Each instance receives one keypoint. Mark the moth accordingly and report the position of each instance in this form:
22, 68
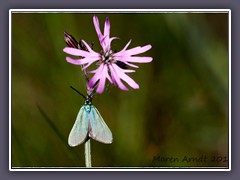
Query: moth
89, 124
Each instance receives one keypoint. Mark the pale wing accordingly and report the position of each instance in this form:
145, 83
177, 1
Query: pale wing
79, 130
98, 128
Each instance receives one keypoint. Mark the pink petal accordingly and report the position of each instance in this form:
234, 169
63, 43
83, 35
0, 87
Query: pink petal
87, 65
101, 74
97, 27
92, 71
107, 27
126, 46
127, 63
74, 61
102, 80
75, 52
96, 77
103, 38
112, 38
105, 43
88, 60
107, 76
92, 53
138, 50
128, 70
101, 85
116, 78
124, 49
137, 59
124, 77
133, 51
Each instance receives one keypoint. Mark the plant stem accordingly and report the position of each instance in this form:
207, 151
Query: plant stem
88, 153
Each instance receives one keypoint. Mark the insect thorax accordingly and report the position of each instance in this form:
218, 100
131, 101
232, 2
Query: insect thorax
87, 105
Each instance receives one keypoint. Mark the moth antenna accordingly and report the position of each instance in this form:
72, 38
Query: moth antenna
78, 92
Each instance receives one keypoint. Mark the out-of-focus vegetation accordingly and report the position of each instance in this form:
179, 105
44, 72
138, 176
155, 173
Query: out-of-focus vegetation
181, 108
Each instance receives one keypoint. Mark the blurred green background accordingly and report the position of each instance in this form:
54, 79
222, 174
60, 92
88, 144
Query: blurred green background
181, 108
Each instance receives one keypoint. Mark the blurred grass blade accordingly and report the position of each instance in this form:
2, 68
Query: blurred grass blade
52, 125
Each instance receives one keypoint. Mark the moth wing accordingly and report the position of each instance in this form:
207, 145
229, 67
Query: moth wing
79, 130
98, 128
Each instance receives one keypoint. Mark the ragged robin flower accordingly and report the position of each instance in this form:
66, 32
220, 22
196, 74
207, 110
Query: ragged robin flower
111, 64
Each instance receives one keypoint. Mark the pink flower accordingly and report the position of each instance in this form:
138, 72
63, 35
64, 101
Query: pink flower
108, 60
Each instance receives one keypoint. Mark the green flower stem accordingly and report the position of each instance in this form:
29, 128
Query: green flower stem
88, 153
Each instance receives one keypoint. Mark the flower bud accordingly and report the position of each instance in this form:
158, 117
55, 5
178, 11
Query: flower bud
70, 40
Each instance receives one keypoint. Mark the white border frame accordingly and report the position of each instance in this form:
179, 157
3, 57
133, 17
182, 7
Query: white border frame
121, 11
